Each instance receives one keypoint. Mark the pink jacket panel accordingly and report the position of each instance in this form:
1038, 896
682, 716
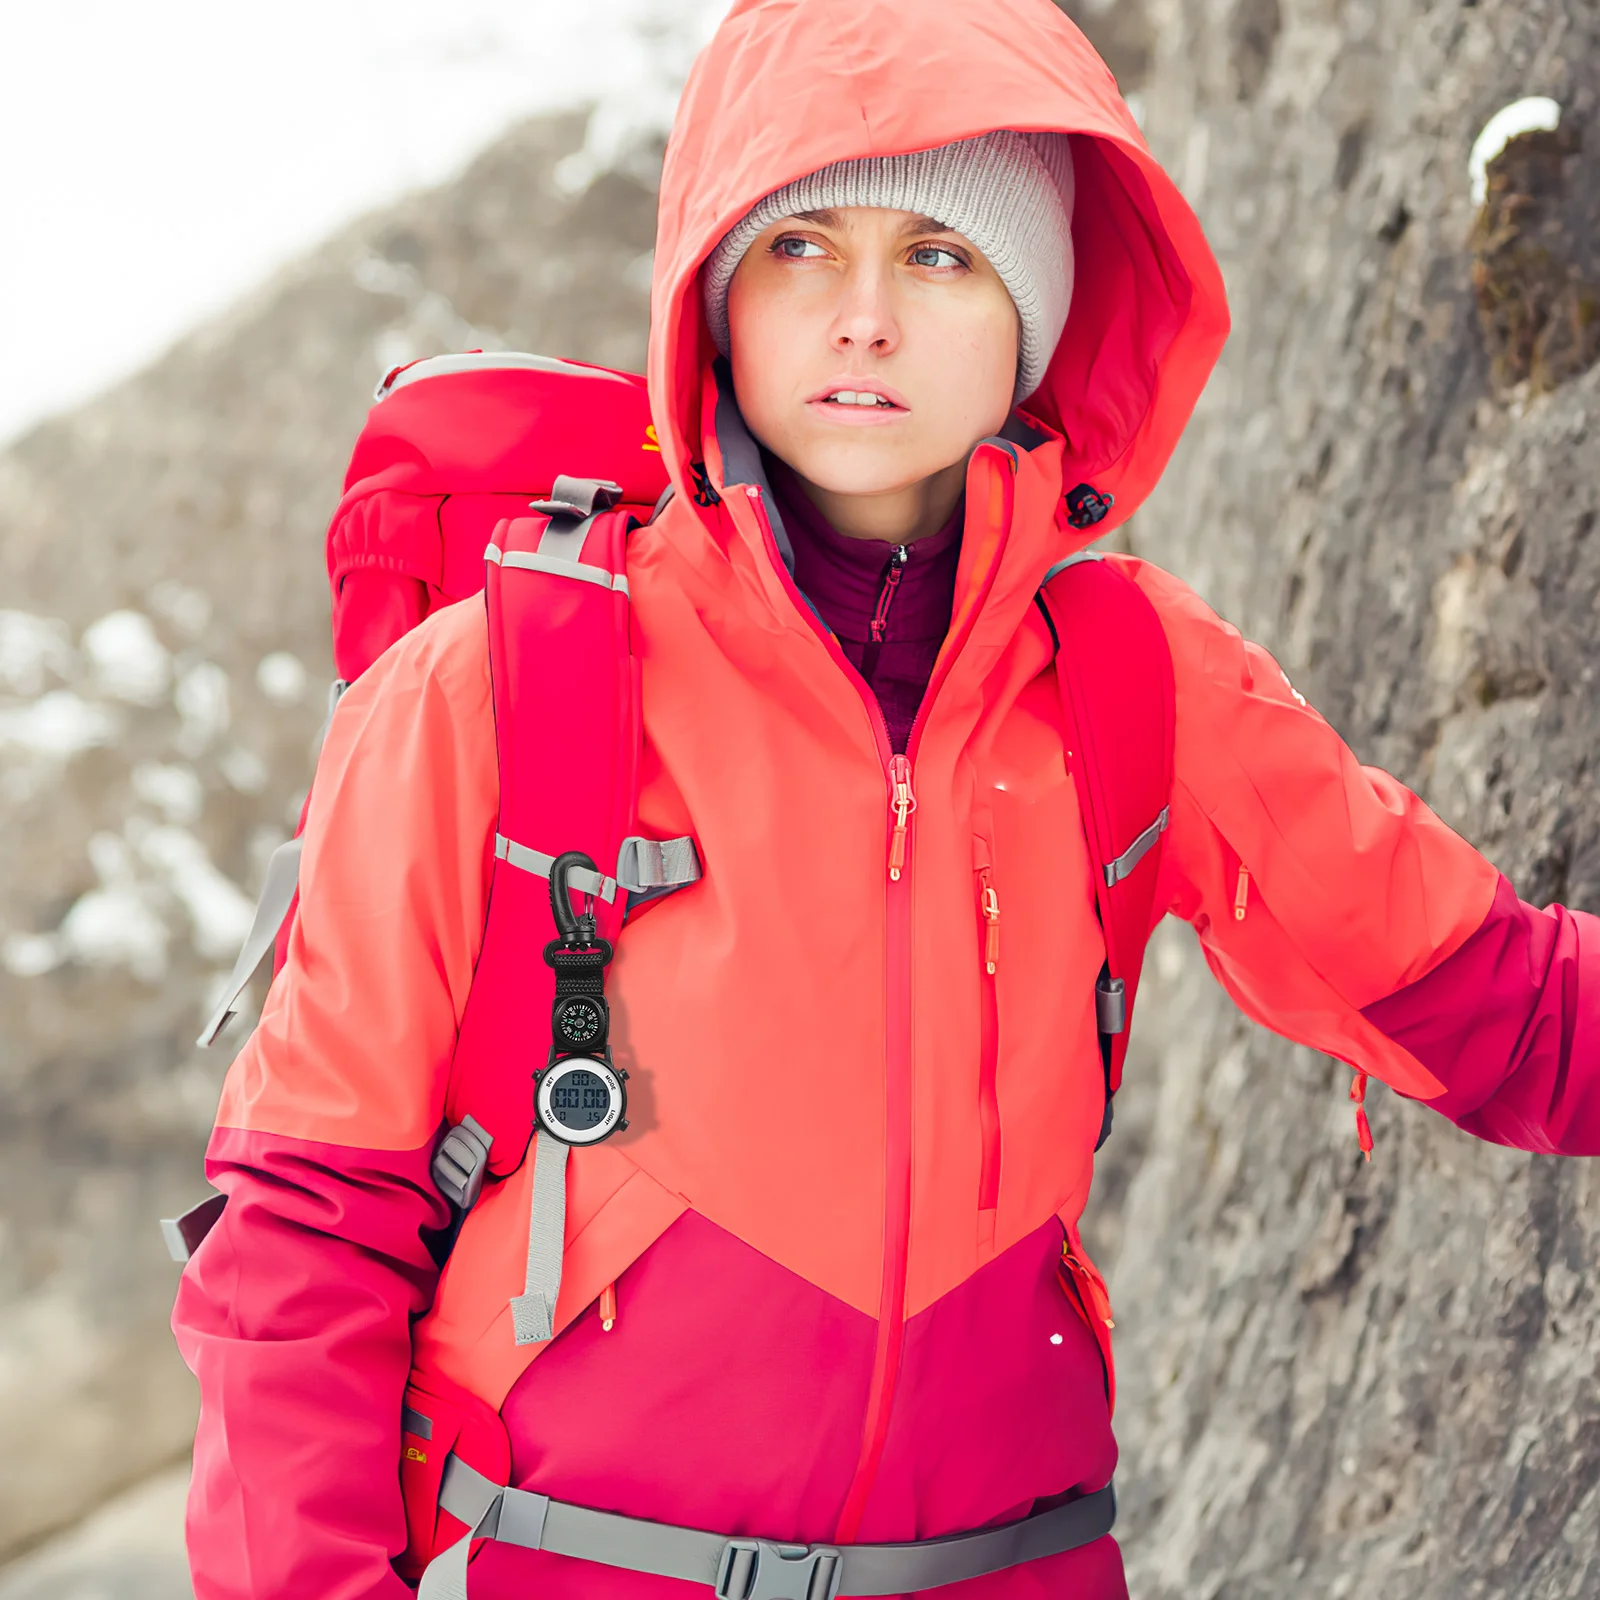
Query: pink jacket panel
294, 1315
1510, 1024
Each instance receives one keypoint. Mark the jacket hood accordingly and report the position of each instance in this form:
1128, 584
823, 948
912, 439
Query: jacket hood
788, 86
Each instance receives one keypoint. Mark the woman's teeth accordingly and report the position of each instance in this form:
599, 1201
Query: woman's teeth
852, 397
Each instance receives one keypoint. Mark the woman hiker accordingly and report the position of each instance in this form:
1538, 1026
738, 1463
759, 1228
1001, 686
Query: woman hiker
924, 306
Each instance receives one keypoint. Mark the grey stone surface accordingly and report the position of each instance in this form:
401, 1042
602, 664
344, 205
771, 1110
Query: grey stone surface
1341, 1379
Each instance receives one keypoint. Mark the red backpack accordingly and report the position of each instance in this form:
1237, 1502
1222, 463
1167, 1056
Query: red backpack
522, 476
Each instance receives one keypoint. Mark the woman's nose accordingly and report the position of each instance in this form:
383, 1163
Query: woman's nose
865, 321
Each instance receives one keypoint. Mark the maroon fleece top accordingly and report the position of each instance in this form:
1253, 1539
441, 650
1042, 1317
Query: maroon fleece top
888, 605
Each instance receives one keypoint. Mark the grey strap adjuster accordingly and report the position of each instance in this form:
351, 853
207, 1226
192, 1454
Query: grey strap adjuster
1119, 869
578, 497
461, 1162
753, 1569
646, 865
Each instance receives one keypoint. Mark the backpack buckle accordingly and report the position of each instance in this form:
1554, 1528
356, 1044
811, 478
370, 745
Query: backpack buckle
755, 1569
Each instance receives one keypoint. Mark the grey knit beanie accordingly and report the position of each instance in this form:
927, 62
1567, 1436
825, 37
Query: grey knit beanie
1009, 193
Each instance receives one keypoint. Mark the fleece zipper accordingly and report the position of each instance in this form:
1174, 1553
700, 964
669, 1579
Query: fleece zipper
899, 776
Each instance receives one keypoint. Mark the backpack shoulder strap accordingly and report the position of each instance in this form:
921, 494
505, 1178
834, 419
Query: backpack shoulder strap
1114, 671
567, 732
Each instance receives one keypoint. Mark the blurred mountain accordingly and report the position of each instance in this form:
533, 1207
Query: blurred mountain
163, 670
1335, 1378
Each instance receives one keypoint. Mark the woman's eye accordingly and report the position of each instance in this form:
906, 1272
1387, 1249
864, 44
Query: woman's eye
934, 255
798, 249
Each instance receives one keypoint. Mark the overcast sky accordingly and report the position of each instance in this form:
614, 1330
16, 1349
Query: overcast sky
158, 158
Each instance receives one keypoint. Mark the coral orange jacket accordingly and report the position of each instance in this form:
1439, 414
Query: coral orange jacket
836, 1226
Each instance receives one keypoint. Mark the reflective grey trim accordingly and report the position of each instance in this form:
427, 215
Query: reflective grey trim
741, 458
1071, 561
475, 361
533, 1312
539, 864
753, 1569
184, 1233
647, 865
1119, 869
461, 1162
277, 895
414, 1422
533, 561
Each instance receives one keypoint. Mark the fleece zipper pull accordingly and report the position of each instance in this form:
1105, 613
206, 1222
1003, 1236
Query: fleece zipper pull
893, 570
902, 802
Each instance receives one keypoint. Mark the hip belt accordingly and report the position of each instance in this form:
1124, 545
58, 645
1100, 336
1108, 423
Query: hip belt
745, 1569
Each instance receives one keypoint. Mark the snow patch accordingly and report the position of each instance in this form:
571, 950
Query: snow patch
282, 678
116, 927
1536, 114
217, 907
31, 647
244, 770
188, 610
58, 725
129, 661
176, 792
203, 705
31, 955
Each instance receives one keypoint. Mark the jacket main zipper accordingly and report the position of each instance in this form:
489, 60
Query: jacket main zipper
898, 770
989, 1052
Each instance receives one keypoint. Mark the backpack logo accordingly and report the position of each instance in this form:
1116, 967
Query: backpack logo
652, 439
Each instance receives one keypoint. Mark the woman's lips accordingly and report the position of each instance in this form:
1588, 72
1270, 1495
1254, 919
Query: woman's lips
856, 416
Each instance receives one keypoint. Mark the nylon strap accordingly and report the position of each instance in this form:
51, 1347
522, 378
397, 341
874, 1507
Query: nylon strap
533, 1312
747, 1569
643, 866
277, 895
1119, 869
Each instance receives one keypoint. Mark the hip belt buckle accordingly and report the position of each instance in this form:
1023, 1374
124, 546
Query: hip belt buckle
754, 1569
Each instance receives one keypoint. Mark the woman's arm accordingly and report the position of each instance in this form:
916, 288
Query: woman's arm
295, 1312
1338, 910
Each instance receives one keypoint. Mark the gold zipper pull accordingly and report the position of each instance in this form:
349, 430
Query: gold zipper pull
903, 803
1241, 894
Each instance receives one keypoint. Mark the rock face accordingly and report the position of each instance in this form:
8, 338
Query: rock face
1336, 1378
163, 666
1342, 1379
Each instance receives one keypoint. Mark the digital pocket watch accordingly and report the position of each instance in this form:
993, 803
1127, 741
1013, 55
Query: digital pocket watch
580, 1097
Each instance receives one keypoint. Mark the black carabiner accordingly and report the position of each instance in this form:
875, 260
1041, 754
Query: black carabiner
575, 928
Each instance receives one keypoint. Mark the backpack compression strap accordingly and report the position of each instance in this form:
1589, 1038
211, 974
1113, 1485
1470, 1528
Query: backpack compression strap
1114, 671
567, 732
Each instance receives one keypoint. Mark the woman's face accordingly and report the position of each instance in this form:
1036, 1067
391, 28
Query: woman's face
830, 309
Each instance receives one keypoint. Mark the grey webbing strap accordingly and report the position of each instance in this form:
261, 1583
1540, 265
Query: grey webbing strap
753, 1569
644, 865
1119, 869
277, 895
539, 864
533, 1312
